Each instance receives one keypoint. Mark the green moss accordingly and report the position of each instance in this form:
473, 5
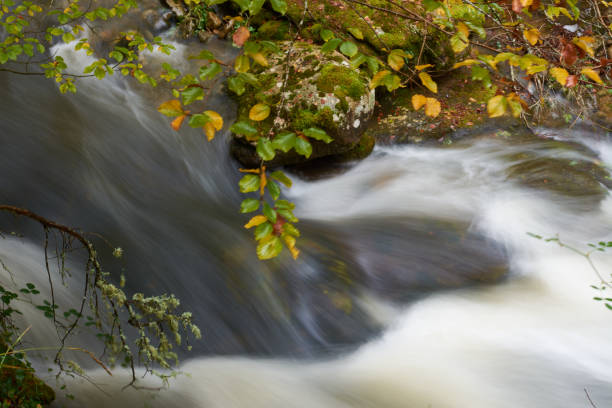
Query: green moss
305, 118
335, 78
274, 30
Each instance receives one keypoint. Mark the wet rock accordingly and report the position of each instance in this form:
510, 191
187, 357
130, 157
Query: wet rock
322, 91
177, 6
574, 178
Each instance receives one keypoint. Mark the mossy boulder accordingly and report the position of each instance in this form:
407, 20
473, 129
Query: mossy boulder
381, 31
322, 91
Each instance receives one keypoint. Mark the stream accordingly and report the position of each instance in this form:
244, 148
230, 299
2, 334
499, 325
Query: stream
418, 284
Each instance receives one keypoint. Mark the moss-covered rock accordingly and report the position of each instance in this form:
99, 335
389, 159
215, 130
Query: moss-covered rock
322, 91
381, 30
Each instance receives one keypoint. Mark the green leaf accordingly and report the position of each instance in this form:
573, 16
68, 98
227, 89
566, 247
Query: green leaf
358, 60
349, 49
251, 47
303, 147
280, 6
243, 128
318, 134
249, 205
209, 71
249, 183
284, 141
331, 45
198, 120
192, 94
263, 230
273, 189
236, 85
244, 4
269, 247
326, 35
255, 6
269, 212
287, 214
282, 177
392, 82
265, 150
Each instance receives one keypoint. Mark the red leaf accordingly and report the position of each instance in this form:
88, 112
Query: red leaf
569, 54
241, 35
571, 81
516, 6
605, 61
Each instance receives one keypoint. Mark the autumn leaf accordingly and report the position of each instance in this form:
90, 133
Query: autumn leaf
560, 75
215, 119
395, 59
176, 123
591, 74
586, 44
532, 36
465, 63
215, 123
255, 221
378, 78
497, 106
422, 67
569, 54
171, 108
259, 58
241, 35
572, 81
432, 107
242, 64
418, 101
428, 82
259, 112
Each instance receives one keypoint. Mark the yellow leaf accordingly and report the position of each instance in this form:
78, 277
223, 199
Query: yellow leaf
586, 44
463, 29
432, 107
465, 62
259, 112
255, 221
290, 242
526, 3
176, 123
497, 106
532, 36
395, 61
418, 101
459, 42
428, 82
560, 75
378, 78
242, 64
259, 58
215, 119
422, 67
171, 108
209, 129
591, 74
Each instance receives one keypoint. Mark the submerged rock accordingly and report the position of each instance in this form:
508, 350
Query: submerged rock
322, 91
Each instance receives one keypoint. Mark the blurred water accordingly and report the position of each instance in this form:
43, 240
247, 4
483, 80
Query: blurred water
385, 307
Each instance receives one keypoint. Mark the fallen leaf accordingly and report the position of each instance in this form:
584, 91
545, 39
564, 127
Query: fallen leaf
432, 107
591, 74
418, 101
560, 75
532, 36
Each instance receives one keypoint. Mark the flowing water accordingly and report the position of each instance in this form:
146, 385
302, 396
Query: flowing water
418, 285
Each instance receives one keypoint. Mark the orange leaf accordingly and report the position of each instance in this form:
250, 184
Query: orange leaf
176, 123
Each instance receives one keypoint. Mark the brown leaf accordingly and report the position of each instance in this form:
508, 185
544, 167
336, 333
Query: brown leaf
572, 81
241, 35
569, 54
